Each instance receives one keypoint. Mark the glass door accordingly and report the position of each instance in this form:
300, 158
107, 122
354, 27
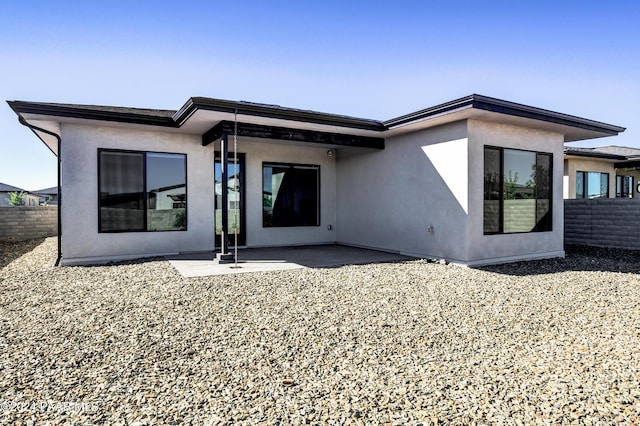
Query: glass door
235, 198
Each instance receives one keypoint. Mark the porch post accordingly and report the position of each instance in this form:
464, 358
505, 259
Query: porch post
224, 256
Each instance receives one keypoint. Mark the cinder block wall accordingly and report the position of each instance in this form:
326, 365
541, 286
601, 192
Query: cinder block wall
603, 222
26, 223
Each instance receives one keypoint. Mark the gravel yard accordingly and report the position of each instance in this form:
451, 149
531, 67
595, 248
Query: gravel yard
546, 342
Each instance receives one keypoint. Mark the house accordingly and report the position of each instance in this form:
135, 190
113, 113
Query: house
48, 195
604, 172
476, 180
30, 199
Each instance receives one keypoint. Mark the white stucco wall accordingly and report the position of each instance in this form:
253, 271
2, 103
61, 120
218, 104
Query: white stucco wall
506, 247
81, 242
261, 151
410, 197
424, 195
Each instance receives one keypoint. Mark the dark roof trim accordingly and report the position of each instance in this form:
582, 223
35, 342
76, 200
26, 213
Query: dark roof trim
288, 134
93, 112
634, 164
274, 111
505, 107
175, 119
593, 154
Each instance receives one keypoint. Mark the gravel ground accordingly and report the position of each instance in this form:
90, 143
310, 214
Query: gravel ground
546, 342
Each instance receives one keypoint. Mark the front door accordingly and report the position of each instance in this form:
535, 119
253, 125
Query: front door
235, 200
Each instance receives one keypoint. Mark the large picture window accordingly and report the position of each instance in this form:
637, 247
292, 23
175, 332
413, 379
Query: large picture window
141, 191
517, 191
290, 195
592, 185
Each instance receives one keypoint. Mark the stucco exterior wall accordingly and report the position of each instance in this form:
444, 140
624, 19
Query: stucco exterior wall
410, 197
81, 242
424, 195
573, 165
507, 247
261, 151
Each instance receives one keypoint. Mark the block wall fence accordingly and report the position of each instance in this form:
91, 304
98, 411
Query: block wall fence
26, 223
606, 222
603, 222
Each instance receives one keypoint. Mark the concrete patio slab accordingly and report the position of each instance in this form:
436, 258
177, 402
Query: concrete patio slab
280, 258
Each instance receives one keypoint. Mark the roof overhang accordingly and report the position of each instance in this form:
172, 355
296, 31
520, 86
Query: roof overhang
569, 153
200, 115
496, 110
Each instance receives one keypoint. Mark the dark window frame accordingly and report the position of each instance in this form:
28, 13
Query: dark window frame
585, 184
318, 186
242, 164
501, 150
145, 190
619, 188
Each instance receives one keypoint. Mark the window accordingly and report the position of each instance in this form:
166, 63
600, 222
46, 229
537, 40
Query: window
624, 186
290, 195
141, 191
592, 185
517, 191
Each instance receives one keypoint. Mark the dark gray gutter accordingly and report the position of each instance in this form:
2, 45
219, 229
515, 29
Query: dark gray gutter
509, 108
273, 111
94, 112
594, 154
39, 129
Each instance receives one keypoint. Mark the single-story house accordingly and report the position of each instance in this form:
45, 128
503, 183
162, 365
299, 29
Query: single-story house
48, 195
604, 172
476, 180
30, 199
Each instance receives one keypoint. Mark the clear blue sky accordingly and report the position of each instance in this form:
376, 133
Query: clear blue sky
369, 59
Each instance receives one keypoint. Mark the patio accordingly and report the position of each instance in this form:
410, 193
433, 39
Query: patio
280, 258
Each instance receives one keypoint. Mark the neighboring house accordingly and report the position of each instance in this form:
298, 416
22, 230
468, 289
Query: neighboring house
427, 184
30, 199
48, 195
605, 172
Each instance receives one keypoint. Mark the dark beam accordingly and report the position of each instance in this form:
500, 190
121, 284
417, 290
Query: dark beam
288, 134
212, 134
632, 164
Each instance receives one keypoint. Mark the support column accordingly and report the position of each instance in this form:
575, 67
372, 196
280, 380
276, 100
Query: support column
224, 256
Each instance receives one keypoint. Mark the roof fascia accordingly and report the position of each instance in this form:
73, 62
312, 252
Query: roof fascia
70, 111
276, 112
630, 164
486, 103
595, 155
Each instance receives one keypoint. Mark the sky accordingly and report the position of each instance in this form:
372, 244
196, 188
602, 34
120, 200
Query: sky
371, 59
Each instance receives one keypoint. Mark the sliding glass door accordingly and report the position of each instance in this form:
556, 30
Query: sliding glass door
235, 200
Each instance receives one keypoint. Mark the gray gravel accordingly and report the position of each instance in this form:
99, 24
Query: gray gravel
546, 342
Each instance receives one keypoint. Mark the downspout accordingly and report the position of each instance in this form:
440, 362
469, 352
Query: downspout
39, 129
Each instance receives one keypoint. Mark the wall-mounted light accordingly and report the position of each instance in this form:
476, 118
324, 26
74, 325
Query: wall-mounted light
331, 153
